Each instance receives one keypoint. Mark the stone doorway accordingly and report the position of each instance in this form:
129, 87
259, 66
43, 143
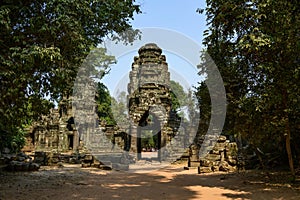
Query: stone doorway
71, 142
149, 136
149, 145
150, 104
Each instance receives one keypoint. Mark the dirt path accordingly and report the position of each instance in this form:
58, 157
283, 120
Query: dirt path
172, 182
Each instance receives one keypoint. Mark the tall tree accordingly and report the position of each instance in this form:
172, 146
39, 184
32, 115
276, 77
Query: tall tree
178, 95
256, 46
42, 44
120, 110
204, 104
104, 104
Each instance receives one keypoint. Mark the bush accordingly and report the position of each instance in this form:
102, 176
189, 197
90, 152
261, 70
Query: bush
13, 140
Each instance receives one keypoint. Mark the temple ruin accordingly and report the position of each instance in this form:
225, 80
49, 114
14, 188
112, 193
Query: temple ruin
74, 126
150, 102
55, 131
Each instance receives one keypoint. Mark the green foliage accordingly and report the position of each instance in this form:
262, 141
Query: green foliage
120, 110
204, 104
178, 95
104, 108
14, 142
255, 45
44, 42
97, 64
149, 140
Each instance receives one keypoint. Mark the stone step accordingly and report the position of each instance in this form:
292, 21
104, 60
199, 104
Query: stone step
119, 166
110, 161
114, 158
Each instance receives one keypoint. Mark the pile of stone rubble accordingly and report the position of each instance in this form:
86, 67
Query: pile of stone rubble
222, 157
17, 162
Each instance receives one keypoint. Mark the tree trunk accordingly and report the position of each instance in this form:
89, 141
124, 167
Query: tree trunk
288, 135
261, 160
288, 148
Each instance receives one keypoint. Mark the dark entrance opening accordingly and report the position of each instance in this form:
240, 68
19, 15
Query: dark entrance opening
149, 138
70, 141
149, 144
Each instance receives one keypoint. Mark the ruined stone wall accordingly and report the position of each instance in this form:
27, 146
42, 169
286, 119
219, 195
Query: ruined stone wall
222, 157
149, 94
54, 132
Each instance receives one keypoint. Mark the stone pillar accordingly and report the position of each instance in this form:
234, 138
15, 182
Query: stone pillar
139, 143
134, 137
75, 140
159, 145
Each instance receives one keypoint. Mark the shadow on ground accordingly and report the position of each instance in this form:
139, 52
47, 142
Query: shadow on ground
168, 183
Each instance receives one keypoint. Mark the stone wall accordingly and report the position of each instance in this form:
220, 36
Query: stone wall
54, 132
222, 157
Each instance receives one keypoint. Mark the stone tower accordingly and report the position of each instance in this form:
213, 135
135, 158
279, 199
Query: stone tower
150, 102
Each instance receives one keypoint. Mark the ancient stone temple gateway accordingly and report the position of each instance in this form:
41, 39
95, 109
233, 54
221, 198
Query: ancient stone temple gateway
150, 112
150, 109
74, 127
150, 102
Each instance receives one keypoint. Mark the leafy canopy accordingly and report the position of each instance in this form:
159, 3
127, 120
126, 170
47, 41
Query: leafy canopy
255, 44
42, 44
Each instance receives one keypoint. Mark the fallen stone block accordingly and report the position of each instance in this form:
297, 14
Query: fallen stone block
222, 138
34, 167
121, 167
204, 170
232, 161
96, 165
22, 166
105, 164
85, 165
104, 167
224, 166
213, 157
215, 168
206, 163
88, 157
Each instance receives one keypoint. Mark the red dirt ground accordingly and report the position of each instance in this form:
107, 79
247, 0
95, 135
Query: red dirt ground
171, 182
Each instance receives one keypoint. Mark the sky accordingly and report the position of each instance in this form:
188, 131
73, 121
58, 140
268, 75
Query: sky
176, 27
178, 15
